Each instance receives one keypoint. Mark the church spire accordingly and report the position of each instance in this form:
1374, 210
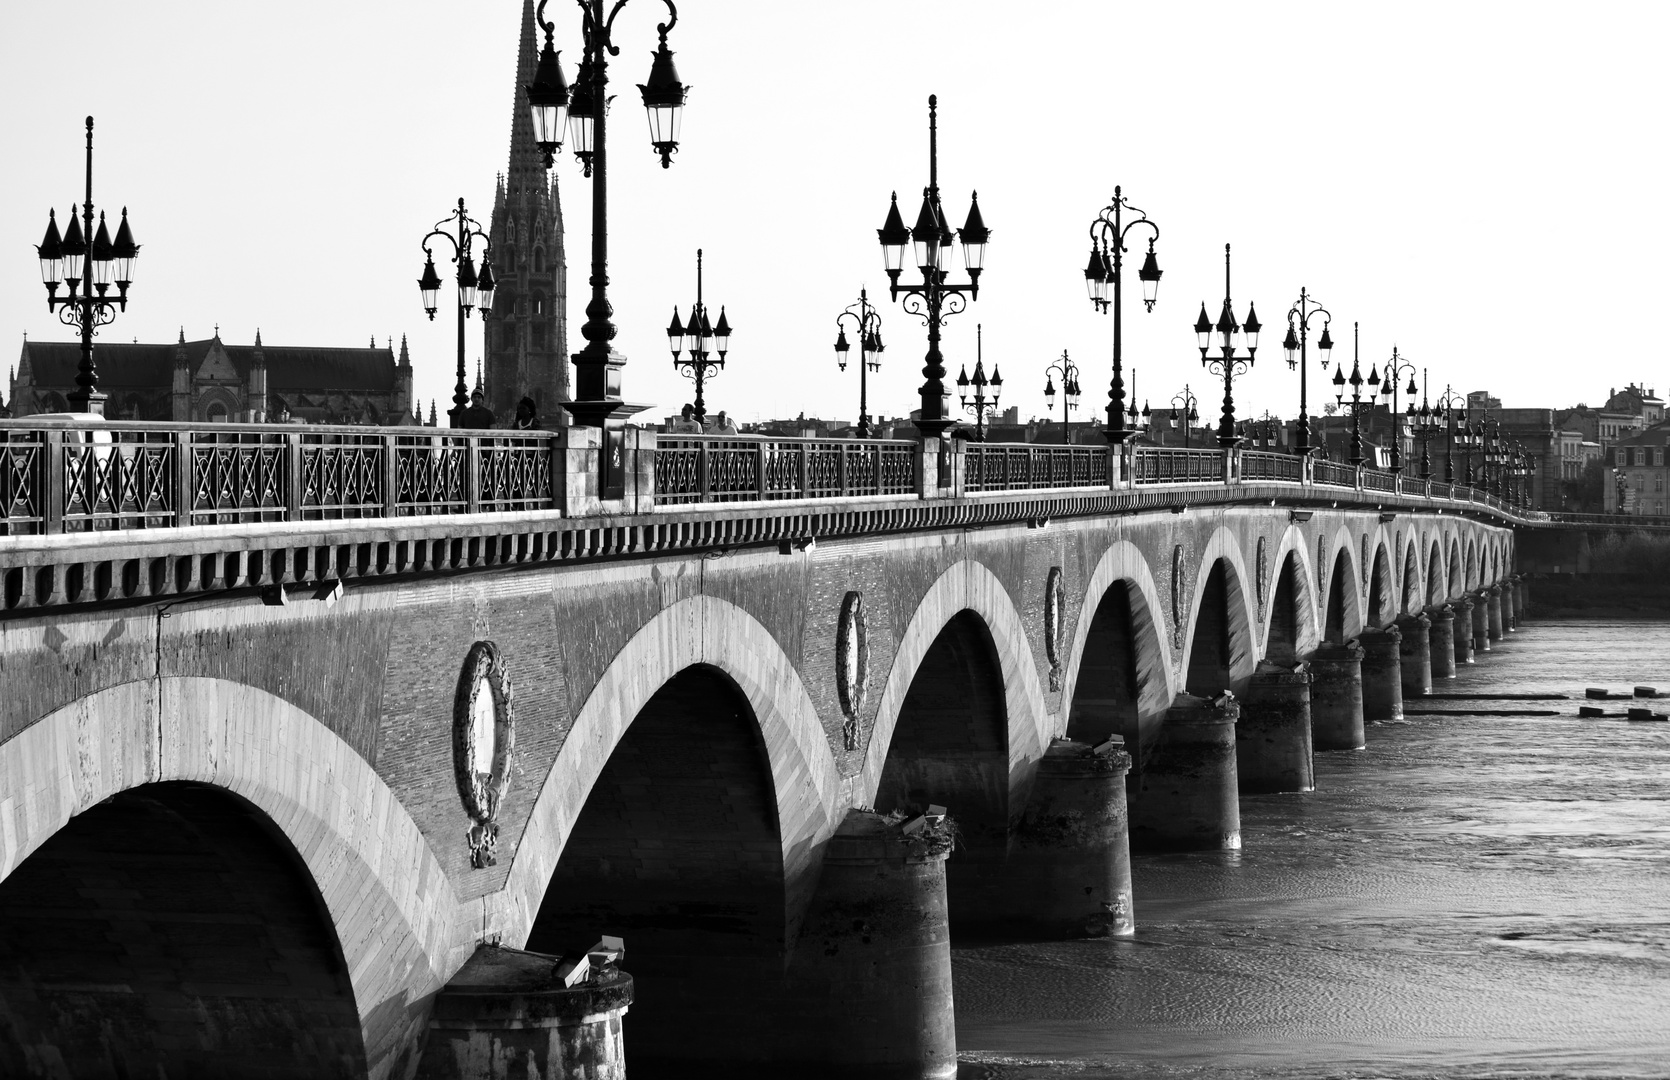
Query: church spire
527, 165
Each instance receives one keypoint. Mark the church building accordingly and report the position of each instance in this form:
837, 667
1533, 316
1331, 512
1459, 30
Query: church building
526, 340
213, 382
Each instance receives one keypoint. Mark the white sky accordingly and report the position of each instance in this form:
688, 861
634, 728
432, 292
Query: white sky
1480, 183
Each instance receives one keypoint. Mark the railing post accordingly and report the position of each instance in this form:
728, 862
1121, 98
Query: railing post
580, 476
702, 490
643, 470
875, 452
293, 485
1232, 465
391, 470
928, 457
472, 474
185, 492
51, 491
1307, 470
760, 458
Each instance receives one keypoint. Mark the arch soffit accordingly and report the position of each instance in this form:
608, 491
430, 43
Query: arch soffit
1223, 545
1124, 563
1309, 635
1353, 603
965, 586
699, 629
330, 804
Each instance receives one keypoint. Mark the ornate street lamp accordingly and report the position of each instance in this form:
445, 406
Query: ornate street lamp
1105, 268
1230, 364
701, 339
1357, 403
1395, 368
1424, 422
1069, 373
87, 262
474, 290
936, 299
1139, 423
1297, 345
981, 406
1185, 403
867, 325
1444, 411
597, 379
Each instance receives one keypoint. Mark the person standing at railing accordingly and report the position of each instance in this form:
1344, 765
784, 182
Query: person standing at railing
723, 425
686, 424
478, 416
527, 415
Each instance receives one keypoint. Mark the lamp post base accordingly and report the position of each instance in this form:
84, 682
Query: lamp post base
90, 402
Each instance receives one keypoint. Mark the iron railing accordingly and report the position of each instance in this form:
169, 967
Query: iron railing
1262, 465
77, 476
719, 468
1336, 473
1171, 465
1031, 466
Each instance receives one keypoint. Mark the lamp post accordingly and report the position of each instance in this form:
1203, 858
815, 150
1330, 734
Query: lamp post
87, 262
1262, 430
1444, 411
1106, 267
1185, 402
981, 406
1069, 373
1357, 382
473, 289
867, 325
1139, 423
701, 338
1424, 422
1297, 346
935, 299
597, 367
1230, 364
1395, 367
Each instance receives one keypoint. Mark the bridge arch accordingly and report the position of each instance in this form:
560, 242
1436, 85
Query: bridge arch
1343, 609
1291, 628
1436, 590
709, 634
1119, 671
1457, 576
1382, 589
1472, 564
966, 586
390, 905
1219, 652
1413, 592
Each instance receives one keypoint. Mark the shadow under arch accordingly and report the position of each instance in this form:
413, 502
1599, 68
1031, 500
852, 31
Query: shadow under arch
390, 904
1344, 617
1412, 592
1435, 589
168, 898
1457, 580
679, 850
1218, 651
1381, 591
1291, 628
1118, 679
1472, 578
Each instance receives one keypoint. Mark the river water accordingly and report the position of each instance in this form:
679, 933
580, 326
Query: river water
1473, 895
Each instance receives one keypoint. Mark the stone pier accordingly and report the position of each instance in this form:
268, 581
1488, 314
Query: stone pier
1465, 638
1494, 628
1415, 654
1444, 649
1187, 789
1382, 674
1481, 622
1273, 736
1336, 697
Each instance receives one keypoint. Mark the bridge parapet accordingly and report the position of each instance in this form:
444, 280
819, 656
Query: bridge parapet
101, 511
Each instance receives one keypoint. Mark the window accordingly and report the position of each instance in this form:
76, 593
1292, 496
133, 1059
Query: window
1658, 455
1640, 455
217, 413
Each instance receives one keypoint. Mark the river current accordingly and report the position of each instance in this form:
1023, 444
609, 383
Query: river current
1483, 892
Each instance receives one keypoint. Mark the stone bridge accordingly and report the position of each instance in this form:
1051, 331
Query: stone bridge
299, 723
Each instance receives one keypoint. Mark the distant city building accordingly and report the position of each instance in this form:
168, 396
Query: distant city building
526, 339
209, 381
1638, 475
1637, 401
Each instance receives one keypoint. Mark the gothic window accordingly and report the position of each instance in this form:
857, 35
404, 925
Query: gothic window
216, 413
539, 260
509, 257
538, 304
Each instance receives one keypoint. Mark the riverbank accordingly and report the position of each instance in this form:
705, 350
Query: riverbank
1600, 596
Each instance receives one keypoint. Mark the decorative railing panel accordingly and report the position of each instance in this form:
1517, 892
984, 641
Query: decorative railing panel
1030, 466
117, 480
1170, 465
713, 469
515, 472
1335, 473
430, 471
342, 475
22, 461
1411, 485
1260, 465
1379, 480
239, 476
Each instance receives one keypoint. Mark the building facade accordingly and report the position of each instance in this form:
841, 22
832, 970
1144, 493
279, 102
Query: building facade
526, 339
1638, 478
210, 381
